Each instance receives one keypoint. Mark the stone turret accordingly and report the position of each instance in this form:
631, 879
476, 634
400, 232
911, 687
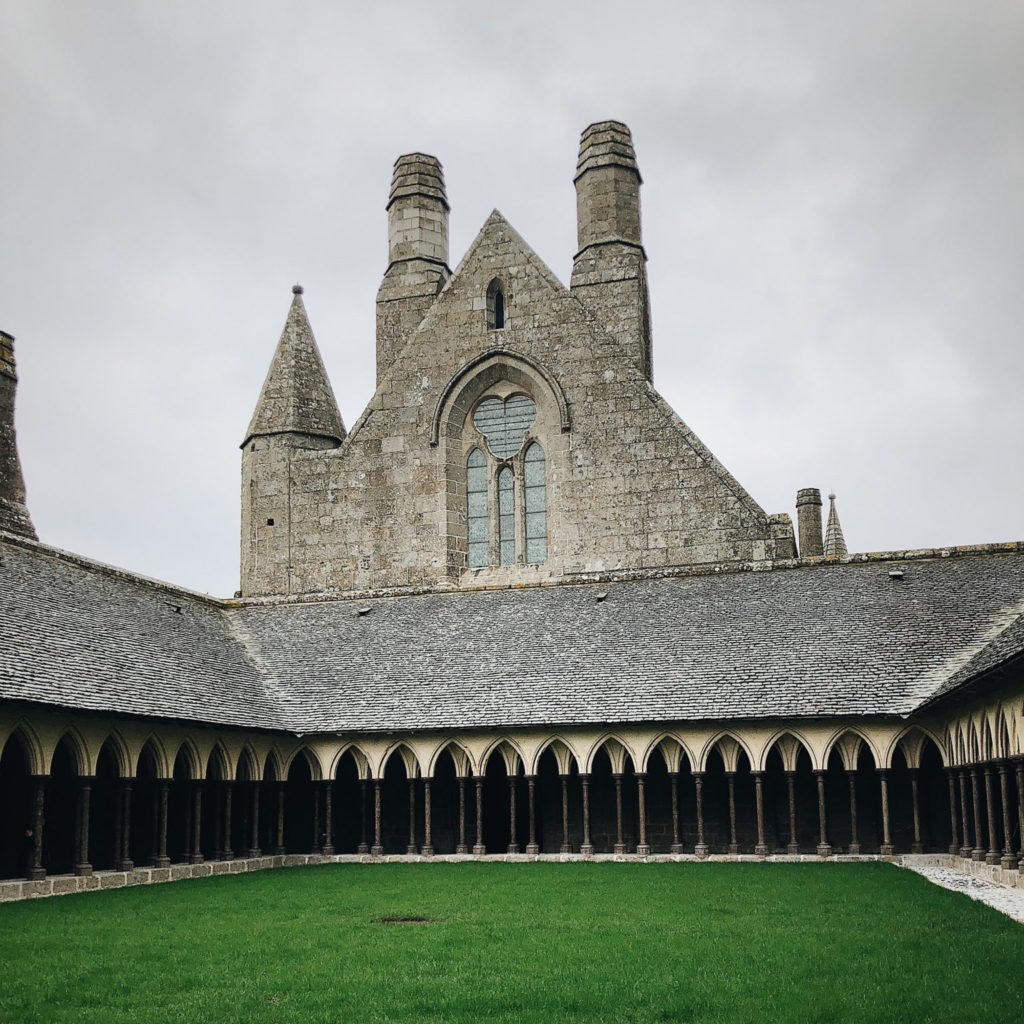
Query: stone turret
835, 542
14, 517
417, 253
808, 517
296, 412
609, 273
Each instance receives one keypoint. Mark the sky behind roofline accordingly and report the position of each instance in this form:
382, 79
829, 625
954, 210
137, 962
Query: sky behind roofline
832, 210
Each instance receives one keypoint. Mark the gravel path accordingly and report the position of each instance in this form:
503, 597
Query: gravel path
1009, 901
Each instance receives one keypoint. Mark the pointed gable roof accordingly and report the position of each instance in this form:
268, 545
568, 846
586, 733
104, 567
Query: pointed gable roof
835, 543
297, 396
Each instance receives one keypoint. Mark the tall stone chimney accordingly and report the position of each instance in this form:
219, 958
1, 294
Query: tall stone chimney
417, 252
808, 517
14, 517
609, 273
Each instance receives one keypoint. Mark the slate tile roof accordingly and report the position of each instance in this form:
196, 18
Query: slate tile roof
820, 640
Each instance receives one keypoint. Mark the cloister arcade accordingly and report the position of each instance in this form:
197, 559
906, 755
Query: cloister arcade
82, 795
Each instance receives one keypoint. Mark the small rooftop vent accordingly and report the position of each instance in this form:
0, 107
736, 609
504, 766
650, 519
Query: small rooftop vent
602, 596
363, 610
896, 574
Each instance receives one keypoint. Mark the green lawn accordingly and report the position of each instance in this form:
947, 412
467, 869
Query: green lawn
523, 943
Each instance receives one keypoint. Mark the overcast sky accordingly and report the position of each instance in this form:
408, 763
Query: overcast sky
833, 211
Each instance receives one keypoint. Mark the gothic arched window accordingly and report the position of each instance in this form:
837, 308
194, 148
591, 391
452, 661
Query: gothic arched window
477, 519
536, 503
495, 306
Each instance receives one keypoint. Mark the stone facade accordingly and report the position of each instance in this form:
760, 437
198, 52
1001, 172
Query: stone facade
14, 516
628, 485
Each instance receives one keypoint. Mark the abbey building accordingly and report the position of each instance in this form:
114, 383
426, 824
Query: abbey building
517, 608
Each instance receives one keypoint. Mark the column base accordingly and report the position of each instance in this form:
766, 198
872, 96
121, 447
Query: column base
227, 855
886, 850
978, 854
965, 852
734, 849
462, 848
479, 849
992, 858
196, 858
854, 850
532, 849
513, 848
327, 850
675, 849
619, 848
587, 850
761, 850
252, 854
565, 848
376, 851
427, 851
917, 847
125, 865
1008, 862
824, 850
643, 850
954, 850
279, 851
362, 848
701, 851
410, 850
85, 870
36, 874
793, 849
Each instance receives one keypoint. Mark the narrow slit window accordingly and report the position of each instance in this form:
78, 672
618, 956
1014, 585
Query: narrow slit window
495, 306
476, 510
499, 309
536, 505
506, 516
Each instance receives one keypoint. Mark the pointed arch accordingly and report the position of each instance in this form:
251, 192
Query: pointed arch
510, 752
359, 756
188, 754
273, 765
247, 765
663, 742
79, 751
616, 749
409, 759
1003, 743
311, 759
460, 756
219, 761
973, 747
119, 751
564, 754
31, 747
157, 751
728, 753
849, 748
789, 742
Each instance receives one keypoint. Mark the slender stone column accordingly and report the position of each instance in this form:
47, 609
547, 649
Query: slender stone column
461, 847
978, 853
279, 847
364, 846
793, 847
965, 849
854, 840
478, 848
82, 865
118, 822
701, 849
254, 823
411, 847
992, 857
328, 848
676, 847
377, 850
643, 848
162, 860
762, 848
314, 846
531, 847
916, 846
1008, 861
229, 787
565, 847
886, 849
734, 846
428, 846
620, 846
513, 845
196, 856
954, 846
1020, 812
36, 872
824, 847
124, 860
587, 848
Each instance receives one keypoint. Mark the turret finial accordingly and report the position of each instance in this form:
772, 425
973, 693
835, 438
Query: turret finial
297, 289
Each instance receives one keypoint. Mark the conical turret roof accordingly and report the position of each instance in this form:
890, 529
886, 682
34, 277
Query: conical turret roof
297, 396
835, 543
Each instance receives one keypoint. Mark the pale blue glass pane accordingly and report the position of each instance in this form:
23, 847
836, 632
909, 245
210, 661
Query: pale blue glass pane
536, 524
476, 458
478, 530
477, 555
535, 499
508, 552
504, 423
533, 473
505, 505
477, 504
536, 551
